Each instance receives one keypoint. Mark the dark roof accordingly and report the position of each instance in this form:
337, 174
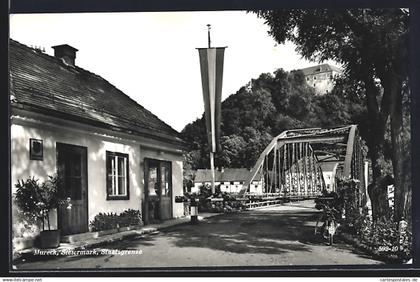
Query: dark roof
227, 175
320, 69
46, 84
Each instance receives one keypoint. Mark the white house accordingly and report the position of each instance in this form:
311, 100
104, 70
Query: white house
321, 77
230, 180
111, 153
329, 170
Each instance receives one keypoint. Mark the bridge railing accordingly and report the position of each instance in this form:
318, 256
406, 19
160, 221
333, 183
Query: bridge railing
290, 163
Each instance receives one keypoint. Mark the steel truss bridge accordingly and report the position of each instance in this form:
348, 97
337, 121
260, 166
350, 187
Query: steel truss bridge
291, 165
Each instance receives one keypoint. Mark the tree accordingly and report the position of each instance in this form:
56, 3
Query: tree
256, 143
231, 154
372, 46
263, 108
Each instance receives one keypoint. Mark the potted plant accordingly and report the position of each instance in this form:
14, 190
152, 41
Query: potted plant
36, 201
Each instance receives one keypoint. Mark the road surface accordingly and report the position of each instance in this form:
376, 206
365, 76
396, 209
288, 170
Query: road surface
274, 236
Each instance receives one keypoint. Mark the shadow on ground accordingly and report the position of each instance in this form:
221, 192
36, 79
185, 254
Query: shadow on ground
271, 231
261, 231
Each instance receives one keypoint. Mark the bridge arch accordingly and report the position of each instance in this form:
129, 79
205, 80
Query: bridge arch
291, 164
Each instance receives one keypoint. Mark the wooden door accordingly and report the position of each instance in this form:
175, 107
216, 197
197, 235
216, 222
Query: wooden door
158, 191
72, 170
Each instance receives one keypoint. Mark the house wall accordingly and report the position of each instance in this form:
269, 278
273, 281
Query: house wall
197, 185
322, 82
231, 188
329, 180
23, 167
97, 145
255, 186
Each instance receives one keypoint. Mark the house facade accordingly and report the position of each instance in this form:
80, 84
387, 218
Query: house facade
329, 170
110, 153
230, 180
321, 77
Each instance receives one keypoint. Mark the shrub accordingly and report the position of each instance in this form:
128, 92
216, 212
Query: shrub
104, 221
381, 237
36, 200
107, 221
384, 238
229, 203
329, 199
130, 217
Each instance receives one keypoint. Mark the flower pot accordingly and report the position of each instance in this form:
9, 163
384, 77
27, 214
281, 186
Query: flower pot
49, 239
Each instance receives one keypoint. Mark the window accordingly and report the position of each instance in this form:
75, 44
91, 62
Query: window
117, 184
165, 175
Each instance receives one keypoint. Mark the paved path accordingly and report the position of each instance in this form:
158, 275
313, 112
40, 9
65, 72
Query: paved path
280, 235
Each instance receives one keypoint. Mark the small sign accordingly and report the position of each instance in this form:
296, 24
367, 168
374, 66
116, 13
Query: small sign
36, 149
181, 199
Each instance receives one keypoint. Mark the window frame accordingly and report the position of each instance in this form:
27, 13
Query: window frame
116, 155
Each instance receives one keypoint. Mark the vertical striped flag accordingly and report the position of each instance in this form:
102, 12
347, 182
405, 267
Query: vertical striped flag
211, 64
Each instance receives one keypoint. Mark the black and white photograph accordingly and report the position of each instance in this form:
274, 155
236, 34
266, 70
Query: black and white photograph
210, 139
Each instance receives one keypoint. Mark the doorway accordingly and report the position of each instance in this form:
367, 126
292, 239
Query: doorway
72, 172
157, 191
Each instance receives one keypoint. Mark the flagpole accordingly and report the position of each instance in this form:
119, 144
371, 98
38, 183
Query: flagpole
213, 188
208, 34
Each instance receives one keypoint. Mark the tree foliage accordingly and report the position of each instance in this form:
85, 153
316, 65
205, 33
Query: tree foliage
36, 200
372, 46
262, 109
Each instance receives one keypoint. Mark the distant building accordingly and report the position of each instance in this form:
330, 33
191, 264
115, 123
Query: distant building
230, 180
321, 77
329, 170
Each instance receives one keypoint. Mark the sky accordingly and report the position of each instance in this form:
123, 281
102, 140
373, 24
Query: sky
152, 56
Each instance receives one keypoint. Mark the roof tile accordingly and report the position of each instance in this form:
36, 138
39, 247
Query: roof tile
45, 82
320, 69
227, 175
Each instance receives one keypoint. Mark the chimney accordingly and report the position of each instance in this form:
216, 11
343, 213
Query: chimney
66, 53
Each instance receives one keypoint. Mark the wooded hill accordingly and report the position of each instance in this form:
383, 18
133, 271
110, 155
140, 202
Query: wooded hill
264, 108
